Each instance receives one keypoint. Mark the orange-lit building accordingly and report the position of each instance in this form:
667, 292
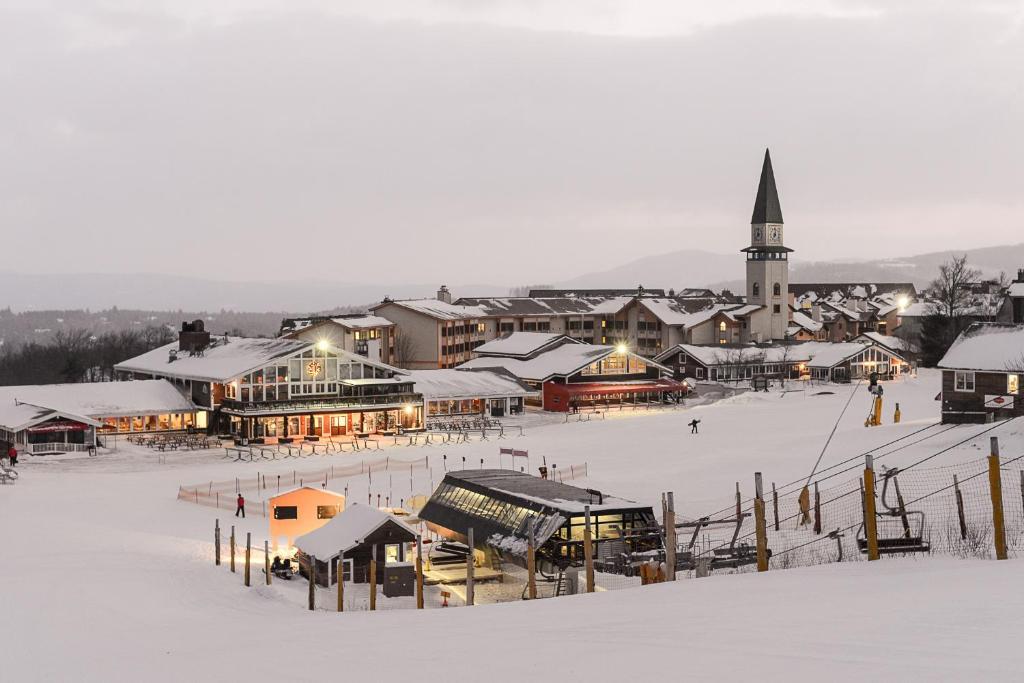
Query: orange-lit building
300, 511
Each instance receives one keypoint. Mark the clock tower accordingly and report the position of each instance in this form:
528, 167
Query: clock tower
767, 262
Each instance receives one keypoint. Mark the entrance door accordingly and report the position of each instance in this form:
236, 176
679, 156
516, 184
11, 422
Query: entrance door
497, 407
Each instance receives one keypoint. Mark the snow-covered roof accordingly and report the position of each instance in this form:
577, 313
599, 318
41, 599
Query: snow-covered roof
806, 322
220, 362
363, 322
455, 384
520, 344
560, 361
996, 347
435, 308
679, 313
223, 361
95, 399
741, 311
1016, 289
815, 354
918, 309
346, 531
497, 307
325, 492
17, 416
892, 343
719, 355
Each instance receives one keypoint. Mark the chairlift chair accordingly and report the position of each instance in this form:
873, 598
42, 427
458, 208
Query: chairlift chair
909, 536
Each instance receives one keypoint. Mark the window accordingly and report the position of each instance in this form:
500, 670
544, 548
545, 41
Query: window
700, 373
757, 289
963, 381
325, 511
777, 289
1013, 384
286, 512
776, 308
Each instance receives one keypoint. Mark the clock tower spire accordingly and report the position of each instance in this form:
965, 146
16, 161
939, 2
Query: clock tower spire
767, 261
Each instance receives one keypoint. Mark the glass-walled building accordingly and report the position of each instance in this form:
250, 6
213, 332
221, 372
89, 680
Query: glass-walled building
283, 388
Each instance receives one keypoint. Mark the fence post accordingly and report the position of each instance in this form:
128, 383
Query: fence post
373, 577
419, 572
232, 548
670, 537
870, 521
248, 556
775, 505
216, 542
340, 575
266, 560
312, 582
531, 559
817, 509
759, 525
470, 561
960, 508
995, 482
588, 548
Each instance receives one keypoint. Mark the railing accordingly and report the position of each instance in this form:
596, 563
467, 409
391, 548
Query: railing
58, 447
313, 405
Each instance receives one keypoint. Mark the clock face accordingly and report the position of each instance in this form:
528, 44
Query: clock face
774, 234
758, 234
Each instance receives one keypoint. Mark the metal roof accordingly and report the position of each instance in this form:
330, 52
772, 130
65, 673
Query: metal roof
766, 206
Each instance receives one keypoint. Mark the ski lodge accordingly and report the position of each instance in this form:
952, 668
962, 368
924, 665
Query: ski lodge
281, 388
61, 418
465, 393
571, 374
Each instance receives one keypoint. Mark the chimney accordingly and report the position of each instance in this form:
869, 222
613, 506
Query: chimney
1020, 275
639, 290
444, 294
193, 337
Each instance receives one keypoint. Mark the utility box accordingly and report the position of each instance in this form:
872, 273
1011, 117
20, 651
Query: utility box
399, 580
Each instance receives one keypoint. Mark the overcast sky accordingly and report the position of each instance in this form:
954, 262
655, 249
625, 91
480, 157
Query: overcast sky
501, 141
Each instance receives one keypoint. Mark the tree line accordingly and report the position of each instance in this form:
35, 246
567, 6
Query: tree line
77, 355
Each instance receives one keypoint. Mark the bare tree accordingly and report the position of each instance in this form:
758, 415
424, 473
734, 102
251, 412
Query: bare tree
952, 288
405, 349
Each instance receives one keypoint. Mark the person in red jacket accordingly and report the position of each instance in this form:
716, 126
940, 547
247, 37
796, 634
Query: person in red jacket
241, 506
12, 455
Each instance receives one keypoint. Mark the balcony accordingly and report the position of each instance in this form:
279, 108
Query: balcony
322, 404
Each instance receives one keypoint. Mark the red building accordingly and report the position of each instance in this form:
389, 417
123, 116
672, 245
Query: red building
571, 374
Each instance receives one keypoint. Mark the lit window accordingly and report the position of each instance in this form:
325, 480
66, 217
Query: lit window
721, 326
963, 381
1013, 384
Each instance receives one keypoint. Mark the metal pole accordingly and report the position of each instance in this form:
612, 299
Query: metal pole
870, 521
588, 548
470, 560
759, 525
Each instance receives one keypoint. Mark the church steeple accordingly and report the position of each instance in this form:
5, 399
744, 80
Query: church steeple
766, 207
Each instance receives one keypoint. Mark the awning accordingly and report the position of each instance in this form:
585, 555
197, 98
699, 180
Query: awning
61, 426
598, 388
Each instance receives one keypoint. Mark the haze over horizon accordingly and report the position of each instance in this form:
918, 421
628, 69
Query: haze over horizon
407, 141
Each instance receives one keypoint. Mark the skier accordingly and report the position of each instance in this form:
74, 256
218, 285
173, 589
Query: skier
693, 425
241, 506
12, 455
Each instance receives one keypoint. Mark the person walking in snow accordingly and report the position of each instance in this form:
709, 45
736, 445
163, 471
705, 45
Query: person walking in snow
693, 425
241, 506
12, 455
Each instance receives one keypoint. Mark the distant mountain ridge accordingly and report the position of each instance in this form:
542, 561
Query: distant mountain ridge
673, 270
695, 268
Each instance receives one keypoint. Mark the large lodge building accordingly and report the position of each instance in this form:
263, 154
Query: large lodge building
281, 388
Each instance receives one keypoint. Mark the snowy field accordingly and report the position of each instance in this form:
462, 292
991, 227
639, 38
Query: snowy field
111, 577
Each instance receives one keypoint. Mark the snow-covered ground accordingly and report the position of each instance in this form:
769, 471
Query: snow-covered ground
108, 576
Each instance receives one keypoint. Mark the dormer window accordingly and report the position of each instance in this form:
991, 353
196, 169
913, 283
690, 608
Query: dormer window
757, 290
776, 289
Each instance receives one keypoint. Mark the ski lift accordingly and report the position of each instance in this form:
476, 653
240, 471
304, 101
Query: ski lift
908, 536
733, 556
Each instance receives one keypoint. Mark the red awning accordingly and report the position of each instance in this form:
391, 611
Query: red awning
61, 426
622, 387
